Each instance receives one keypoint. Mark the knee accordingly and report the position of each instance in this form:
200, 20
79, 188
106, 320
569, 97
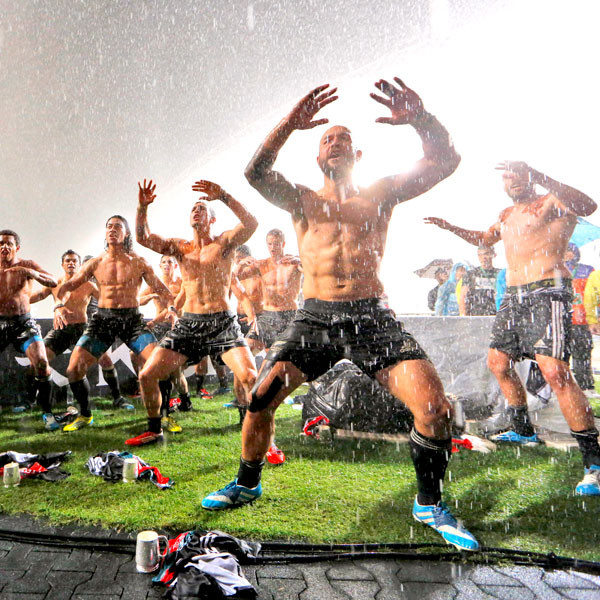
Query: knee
147, 378
75, 371
498, 365
248, 379
557, 375
435, 413
40, 367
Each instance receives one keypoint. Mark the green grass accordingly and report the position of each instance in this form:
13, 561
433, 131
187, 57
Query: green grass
348, 492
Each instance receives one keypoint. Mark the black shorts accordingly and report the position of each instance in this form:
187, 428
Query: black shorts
20, 330
363, 331
196, 335
535, 319
108, 324
271, 324
160, 330
59, 340
243, 324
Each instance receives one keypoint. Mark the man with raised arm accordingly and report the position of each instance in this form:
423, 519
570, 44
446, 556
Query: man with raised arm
534, 319
341, 232
119, 273
207, 326
17, 327
70, 323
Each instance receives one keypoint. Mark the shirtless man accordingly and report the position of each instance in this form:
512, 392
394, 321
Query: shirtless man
168, 266
119, 273
281, 276
534, 320
68, 327
341, 233
17, 327
207, 325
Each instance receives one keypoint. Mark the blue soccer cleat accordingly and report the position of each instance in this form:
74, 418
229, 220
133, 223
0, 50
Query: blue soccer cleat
590, 484
514, 438
231, 496
439, 517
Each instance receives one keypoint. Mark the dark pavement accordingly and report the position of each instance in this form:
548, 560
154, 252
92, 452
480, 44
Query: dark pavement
32, 571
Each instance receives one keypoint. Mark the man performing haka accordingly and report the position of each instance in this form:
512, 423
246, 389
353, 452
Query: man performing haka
534, 320
341, 233
17, 327
168, 265
207, 326
70, 323
119, 273
281, 277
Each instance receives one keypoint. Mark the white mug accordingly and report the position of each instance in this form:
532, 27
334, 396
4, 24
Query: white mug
130, 470
147, 551
11, 476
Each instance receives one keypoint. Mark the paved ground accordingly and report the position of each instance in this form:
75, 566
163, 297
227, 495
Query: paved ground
36, 572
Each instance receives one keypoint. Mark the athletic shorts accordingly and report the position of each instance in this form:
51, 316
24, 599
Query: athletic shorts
535, 319
160, 330
271, 324
196, 335
243, 324
20, 330
363, 331
59, 340
108, 324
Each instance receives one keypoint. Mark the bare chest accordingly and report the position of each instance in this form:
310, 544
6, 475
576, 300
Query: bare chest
118, 272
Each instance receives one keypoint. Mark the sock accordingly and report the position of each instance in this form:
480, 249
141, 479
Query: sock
81, 393
154, 424
519, 418
249, 473
111, 378
199, 383
185, 399
430, 458
30, 387
165, 388
588, 445
44, 389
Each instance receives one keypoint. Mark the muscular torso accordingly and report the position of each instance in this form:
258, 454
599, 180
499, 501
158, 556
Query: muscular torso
341, 245
174, 286
15, 289
119, 279
281, 285
253, 286
535, 236
77, 301
206, 276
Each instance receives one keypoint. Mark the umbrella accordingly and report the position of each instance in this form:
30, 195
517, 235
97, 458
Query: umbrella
430, 269
584, 232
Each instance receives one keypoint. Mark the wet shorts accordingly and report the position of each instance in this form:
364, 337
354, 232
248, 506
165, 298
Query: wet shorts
196, 335
20, 330
243, 324
108, 324
535, 319
160, 330
271, 324
363, 331
59, 340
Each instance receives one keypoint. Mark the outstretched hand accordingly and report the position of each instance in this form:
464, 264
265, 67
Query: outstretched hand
146, 193
302, 115
404, 103
211, 190
435, 221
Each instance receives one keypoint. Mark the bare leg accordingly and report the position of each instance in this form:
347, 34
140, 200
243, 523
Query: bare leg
81, 360
502, 366
573, 402
36, 353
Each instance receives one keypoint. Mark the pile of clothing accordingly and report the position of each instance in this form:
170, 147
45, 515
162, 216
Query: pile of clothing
206, 565
109, 465
37, 466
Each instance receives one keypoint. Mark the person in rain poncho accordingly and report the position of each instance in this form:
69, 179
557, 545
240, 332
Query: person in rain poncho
534, 320
446, 304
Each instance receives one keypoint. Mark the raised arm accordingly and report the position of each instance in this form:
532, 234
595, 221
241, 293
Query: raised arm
33, 271
146, 197
259, 172
40, 295
156, 285
440, 159
574, 200
244, 300
477, 238
240, 233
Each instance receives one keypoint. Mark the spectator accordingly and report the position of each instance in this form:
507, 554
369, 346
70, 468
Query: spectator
441, 276
446, 304
478, 294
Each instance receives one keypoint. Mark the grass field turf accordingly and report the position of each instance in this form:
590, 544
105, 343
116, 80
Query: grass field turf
346, 492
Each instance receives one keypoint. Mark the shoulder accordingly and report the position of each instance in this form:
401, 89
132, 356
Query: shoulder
505, 214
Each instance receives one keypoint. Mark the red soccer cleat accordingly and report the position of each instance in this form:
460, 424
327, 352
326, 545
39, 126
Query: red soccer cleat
148, 437
205, 394
275, 456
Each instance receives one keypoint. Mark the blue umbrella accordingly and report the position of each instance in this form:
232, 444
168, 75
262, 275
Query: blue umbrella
584, 233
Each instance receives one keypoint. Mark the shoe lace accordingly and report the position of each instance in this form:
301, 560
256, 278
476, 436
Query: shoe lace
443, 516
